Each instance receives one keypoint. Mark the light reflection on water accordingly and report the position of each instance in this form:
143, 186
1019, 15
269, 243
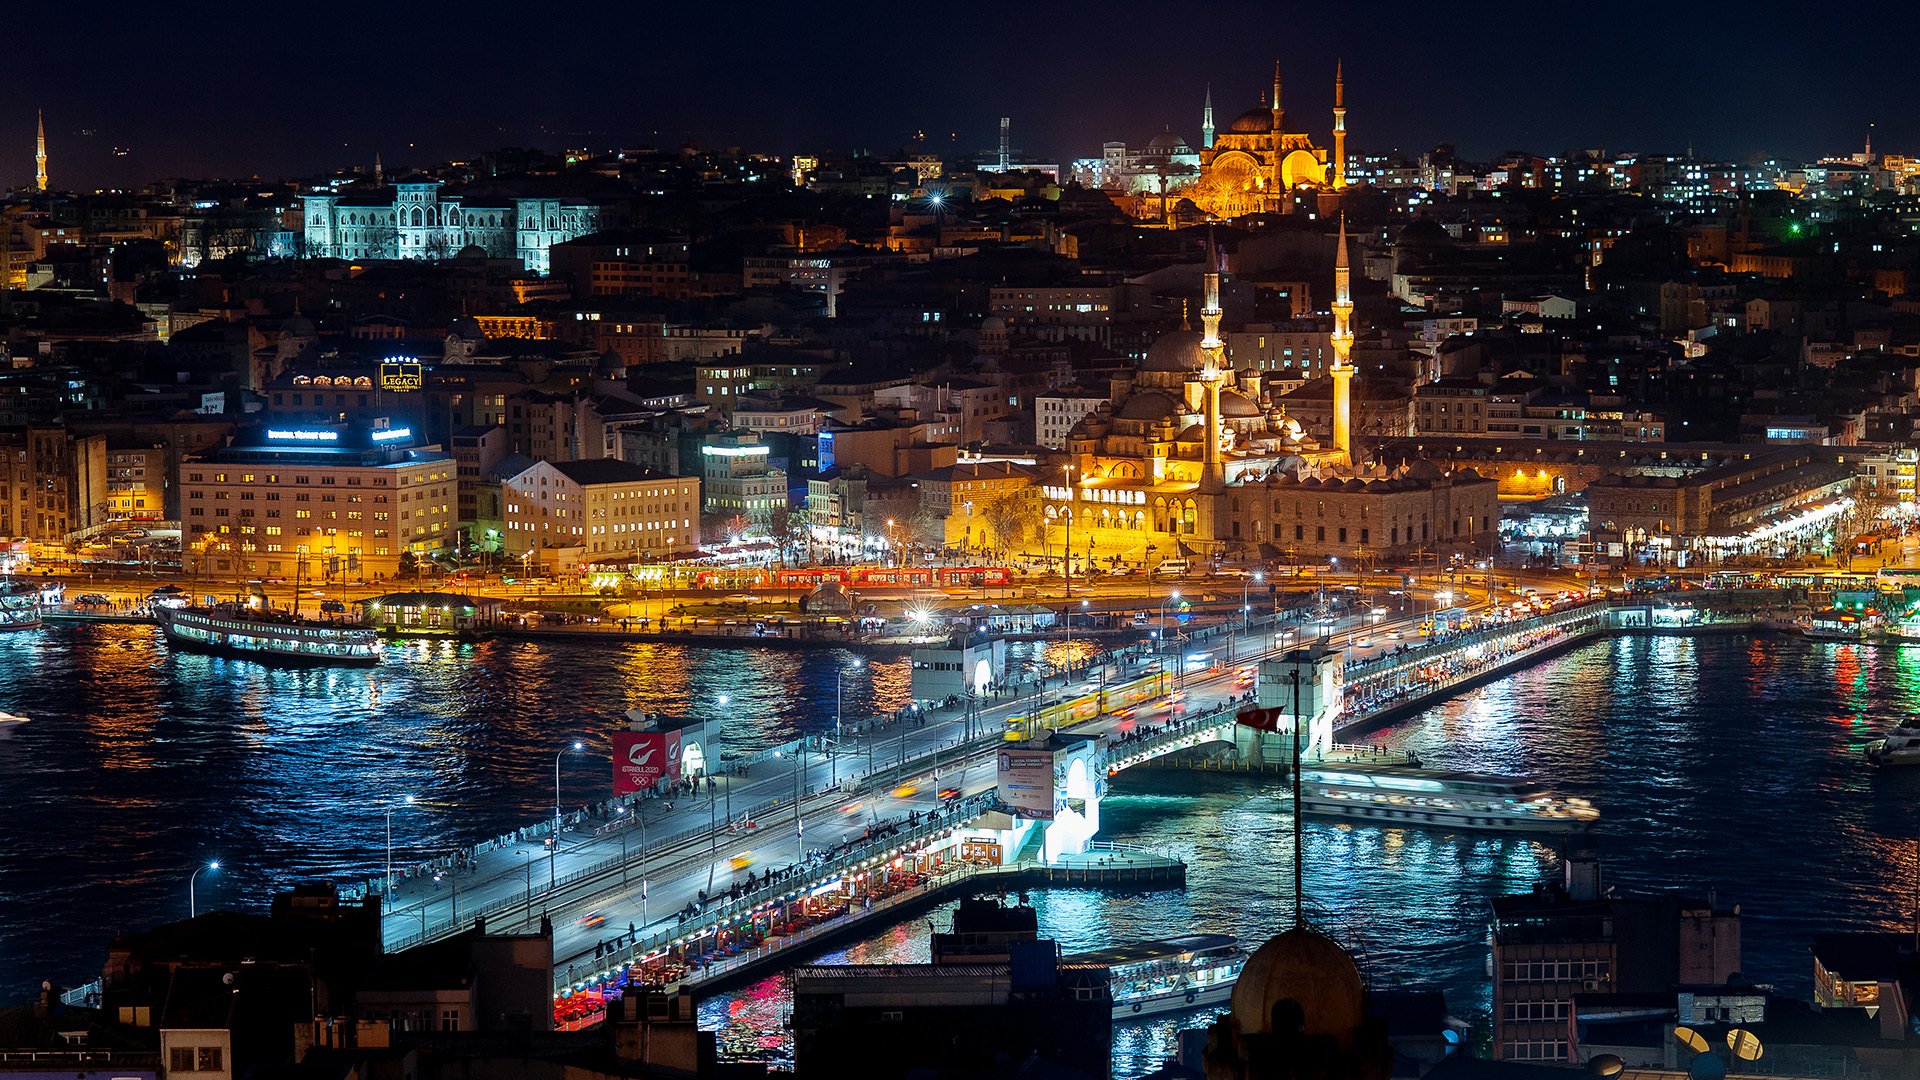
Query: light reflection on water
1731, 762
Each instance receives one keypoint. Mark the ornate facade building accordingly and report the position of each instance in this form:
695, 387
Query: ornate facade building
1256, 165
1195, 459
414, 219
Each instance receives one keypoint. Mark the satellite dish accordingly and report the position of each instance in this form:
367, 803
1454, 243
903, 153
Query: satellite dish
1608, 1065
1707, 1067
1744, 1044
1690, 1039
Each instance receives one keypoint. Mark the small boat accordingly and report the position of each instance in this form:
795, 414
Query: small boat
1153, 978
1837, 624
1900, 747
19, 606
10, 720
1397, 795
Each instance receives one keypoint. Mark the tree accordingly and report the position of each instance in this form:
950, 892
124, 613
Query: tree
1010, 517
409, 564
789, 532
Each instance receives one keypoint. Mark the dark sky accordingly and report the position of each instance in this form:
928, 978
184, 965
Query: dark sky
275, 89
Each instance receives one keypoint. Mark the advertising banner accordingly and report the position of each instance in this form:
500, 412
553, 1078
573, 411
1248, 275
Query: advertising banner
643, 759
1026, 783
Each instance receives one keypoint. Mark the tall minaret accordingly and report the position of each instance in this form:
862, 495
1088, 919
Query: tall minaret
1342, 369
1206, 121
1279, 114
1212, 354
379, 174
40, 152
1339, 126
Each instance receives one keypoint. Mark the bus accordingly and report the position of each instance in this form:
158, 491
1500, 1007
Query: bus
1445, 620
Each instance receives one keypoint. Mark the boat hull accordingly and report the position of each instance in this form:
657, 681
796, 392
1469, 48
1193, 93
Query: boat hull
1215, 996
1878, 754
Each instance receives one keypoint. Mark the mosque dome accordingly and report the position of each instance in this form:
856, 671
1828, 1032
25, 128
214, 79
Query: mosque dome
610, 366
1253, 122
1235, 406
993, 324
471, 253
1177, 351
1150, 405
299, 326
1167, 143
1308, 968
466, 328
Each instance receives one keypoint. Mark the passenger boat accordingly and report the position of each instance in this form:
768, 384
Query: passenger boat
258, 633
1900, 747
1152, 978
19, 606
1397, 795
9, 721
1836, 624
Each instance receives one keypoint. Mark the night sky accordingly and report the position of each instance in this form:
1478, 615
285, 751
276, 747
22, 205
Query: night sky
221, 89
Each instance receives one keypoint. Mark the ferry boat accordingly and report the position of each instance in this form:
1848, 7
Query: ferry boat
9, 721
1837, 624
1900, 747
258, 633
19, 606
1406, 796
1153, 978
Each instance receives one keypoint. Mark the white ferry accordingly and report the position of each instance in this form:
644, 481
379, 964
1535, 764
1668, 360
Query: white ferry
255, 633
1900, 747
1423, 797
1836, 624
19, 607
1152, 978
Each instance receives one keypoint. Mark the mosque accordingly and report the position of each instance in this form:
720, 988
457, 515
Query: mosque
1195, 460
1256, 165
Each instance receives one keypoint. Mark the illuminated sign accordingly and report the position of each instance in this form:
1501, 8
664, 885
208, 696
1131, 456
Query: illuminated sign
302, 436
735, 451
401, 376
391, 434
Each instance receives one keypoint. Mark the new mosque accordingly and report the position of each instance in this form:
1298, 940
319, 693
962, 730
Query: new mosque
1196, 460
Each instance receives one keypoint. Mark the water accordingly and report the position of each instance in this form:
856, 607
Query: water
1724, 762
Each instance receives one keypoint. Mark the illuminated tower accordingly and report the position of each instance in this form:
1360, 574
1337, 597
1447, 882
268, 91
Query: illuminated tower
1342, 369
379, 174
1339, 127
1212, 353
40, 153
1006, 144
1279, 113
1206, 120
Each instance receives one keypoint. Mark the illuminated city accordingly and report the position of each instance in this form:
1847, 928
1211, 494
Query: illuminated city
742, 545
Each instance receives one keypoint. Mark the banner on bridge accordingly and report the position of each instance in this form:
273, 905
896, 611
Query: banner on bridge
644, 759
1026, 783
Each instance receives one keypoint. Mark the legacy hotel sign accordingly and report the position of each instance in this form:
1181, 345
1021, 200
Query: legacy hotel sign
400, 376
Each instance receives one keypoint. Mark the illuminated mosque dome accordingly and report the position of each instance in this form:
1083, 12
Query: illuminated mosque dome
1309, 969
1252, 122
1178, 351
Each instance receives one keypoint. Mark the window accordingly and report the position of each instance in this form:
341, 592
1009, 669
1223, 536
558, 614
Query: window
180, 1059
208, 1059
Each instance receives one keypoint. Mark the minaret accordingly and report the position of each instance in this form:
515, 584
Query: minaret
1206, 121
1279, 114
1212, 353
1342, 369
1339, 126
40, 152
379, 174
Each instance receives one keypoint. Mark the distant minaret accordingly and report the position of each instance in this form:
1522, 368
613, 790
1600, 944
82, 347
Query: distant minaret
1342, 369
40, 152
1206, 121
1339, 126
1279, 114
379, 174
1006, 143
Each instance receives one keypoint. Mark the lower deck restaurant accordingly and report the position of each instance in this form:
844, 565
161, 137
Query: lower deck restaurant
801, 909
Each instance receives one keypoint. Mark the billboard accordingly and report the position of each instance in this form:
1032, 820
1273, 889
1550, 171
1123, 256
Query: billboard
401, 376
643, 759
1026, 783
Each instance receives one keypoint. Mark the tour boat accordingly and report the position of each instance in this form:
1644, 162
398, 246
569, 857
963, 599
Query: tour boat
8, 720
1396, 795
1900, 747
1152, 978
19, 606
258, 633
1835, 624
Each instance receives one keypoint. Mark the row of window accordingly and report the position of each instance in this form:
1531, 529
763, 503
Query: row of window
1523, 1011
1553, 970
1534, 1050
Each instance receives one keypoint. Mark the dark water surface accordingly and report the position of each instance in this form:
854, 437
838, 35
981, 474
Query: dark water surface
1730, 763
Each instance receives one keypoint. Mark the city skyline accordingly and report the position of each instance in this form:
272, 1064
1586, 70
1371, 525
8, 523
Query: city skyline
793, 82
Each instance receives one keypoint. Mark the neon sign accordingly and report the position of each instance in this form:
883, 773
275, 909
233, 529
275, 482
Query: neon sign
391, 434
303, 436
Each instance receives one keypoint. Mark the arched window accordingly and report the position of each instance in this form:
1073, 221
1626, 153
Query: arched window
1189, 518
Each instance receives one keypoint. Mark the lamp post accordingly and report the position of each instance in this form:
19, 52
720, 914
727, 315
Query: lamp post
839, 700
1066, 547
554, 847
193, 908
1172, 595
453, 906
405, 801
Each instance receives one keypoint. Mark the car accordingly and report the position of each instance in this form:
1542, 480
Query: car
949, 793
332, 607
592, 919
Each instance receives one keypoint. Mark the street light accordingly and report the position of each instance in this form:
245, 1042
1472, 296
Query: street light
193, 908
405, 801
555, 845
839, 700
1066, 546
